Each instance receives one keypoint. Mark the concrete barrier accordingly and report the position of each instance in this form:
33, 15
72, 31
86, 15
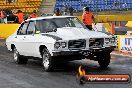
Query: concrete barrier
7, 29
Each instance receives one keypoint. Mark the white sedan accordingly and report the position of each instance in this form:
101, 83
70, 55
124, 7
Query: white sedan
59, 38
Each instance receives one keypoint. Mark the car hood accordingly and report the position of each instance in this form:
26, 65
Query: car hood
70, 33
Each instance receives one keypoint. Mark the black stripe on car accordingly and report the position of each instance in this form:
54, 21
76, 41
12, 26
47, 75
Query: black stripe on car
53, 36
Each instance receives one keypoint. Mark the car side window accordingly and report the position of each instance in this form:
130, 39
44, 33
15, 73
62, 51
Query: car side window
22, 29
42, 25
51, 27
31, 28
39, 25
45, 26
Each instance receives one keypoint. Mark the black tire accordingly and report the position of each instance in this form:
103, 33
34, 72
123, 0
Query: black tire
18, 58
47, 60
104, 59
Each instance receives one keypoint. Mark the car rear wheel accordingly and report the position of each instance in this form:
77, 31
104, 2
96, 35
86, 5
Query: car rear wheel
104, 59
18, 58
47, 60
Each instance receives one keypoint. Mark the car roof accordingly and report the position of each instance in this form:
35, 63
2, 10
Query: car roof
48, 17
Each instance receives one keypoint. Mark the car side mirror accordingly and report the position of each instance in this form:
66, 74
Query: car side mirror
55, 29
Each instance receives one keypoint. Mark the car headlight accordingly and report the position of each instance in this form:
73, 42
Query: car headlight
57, 45
107, 40
63, 44
112, 39
60, 45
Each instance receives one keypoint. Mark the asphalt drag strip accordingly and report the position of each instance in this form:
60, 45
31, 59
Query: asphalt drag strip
32, 75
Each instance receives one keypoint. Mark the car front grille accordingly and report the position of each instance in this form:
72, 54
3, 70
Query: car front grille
96, 43
77, 44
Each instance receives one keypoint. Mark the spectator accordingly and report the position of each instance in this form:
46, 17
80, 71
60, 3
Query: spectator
88, 18
71, 10
33, 15
8, 1
3, 16
57, 12
20, 16
65, 10
11, 18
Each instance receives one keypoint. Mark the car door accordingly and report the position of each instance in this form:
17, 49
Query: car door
29, 40
18, 39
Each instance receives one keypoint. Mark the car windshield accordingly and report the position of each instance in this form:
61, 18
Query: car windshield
47, 25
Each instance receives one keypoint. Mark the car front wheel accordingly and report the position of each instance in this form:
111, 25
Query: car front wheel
18, 58
104, 59
47, 60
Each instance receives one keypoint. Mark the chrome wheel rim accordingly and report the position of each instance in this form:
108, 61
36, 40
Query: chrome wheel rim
46, 60
15, 54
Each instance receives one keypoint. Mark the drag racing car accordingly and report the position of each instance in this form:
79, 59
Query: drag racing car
53, 39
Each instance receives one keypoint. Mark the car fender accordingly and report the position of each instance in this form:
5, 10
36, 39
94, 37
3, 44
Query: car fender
49, 46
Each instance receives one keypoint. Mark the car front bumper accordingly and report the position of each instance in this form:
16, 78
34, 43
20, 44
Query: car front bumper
81, 53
